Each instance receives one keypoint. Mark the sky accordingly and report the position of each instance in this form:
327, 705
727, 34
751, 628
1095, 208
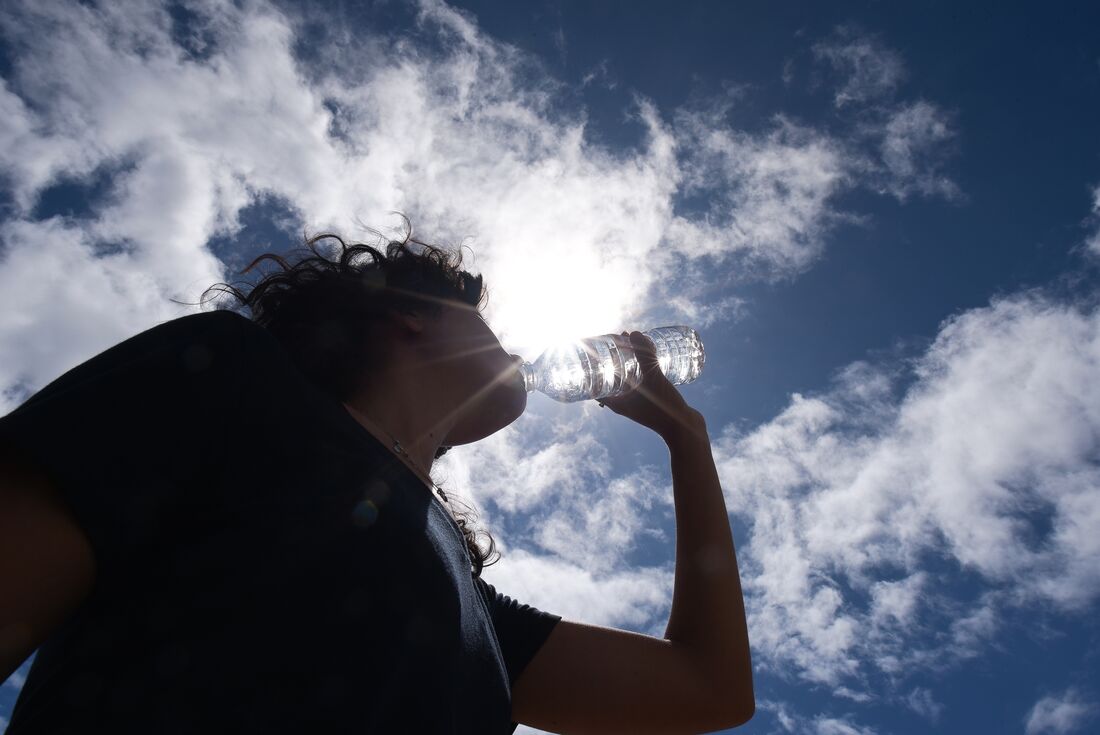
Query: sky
883, 219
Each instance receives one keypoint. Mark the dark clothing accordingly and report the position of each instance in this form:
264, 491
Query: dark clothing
265, 564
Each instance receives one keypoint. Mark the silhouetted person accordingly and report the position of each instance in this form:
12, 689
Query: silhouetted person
228, 524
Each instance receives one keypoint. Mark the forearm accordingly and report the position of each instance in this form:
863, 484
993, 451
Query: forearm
708, 610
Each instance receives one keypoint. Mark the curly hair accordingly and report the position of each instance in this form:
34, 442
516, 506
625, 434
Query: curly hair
324, 312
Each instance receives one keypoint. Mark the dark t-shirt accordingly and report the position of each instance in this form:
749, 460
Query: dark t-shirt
264, 563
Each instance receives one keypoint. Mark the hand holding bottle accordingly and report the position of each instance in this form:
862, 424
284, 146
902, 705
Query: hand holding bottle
604, 366
655, 403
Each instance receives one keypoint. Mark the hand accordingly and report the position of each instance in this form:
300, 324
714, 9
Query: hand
655, 403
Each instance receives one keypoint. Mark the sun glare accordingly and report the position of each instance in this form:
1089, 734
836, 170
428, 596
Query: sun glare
535, 305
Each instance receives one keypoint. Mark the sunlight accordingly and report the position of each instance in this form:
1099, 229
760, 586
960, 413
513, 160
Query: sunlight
544, 300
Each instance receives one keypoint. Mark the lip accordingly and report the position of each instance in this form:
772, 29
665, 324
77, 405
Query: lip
517, 361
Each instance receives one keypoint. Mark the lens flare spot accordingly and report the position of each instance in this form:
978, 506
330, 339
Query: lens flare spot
365, 513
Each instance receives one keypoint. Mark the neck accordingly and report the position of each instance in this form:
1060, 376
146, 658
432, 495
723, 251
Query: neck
404, 412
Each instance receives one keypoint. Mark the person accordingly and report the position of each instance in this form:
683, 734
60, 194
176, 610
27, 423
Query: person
227, 523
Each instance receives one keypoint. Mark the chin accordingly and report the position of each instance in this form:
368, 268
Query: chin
489, 421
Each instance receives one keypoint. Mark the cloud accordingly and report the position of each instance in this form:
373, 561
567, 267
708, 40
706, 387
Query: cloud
545, 491
792, 722
988, 456
921, 701
191, 122
767, 196
868, 69
17, 678
1059, 714
910, 141
837, 726
635, 599
913, 151
1092, 242
781, 711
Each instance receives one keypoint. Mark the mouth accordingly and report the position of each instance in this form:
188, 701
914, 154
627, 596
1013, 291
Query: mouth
520, 380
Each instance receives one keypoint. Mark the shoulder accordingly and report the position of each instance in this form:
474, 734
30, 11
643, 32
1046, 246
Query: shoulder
204, 337
221, 321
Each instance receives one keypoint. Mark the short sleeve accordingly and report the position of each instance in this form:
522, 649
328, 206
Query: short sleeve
123, 433
521, 629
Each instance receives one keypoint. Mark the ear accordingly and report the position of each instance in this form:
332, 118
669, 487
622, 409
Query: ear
412, 320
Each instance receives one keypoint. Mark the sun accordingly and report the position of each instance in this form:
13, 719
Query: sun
540, 301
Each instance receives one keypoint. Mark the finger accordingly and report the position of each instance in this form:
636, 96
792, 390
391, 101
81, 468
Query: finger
642, 340
645, 350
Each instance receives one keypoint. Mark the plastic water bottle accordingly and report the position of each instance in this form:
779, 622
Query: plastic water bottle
604, 366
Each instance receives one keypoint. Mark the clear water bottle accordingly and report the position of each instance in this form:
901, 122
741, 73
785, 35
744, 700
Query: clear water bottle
605, 366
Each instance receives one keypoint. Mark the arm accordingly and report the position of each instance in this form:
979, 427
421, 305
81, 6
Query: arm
589, 679
698, 678
46, 563
708, 609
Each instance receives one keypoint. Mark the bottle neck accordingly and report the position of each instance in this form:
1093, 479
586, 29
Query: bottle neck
530, 377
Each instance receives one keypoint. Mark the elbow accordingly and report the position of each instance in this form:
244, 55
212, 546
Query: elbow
740, 702
731, 696
744, 713
732, 713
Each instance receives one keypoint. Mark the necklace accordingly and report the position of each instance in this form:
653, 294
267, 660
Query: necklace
400, 451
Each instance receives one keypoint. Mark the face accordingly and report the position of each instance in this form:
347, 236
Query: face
483, 380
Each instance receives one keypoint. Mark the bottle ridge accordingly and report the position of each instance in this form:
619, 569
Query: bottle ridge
606, 365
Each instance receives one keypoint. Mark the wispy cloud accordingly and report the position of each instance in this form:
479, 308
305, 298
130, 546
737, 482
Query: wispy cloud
914, 147
565, 526
986, 455
838, 726
922, 701
1059, 714
867, 68
767, 197
912, 140
790, 721
1092, 241
17, 679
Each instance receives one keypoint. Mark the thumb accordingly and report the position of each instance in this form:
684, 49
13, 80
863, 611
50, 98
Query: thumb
645, 350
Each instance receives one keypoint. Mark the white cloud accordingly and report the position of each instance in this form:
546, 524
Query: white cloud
821, 724
836, 726
856, 488
17, 679
598, 531
462, 132
1092, 242
921, 701
544, 491
635, 599
911, 139
52, 278
1060, 714
533, 462
869, 69
912, 150
768, 196
781, 711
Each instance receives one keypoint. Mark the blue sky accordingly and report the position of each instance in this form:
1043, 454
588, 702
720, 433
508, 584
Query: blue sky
883, 219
